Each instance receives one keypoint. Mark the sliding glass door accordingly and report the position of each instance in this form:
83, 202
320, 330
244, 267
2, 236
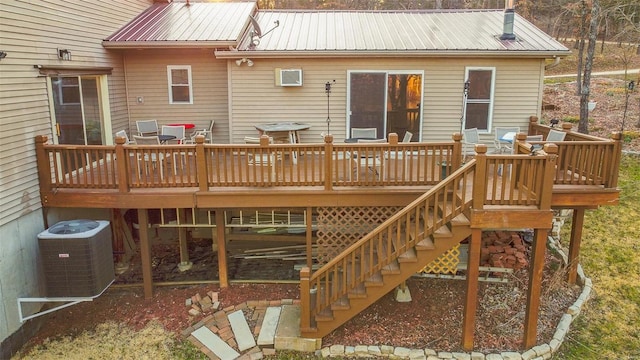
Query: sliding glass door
388, 101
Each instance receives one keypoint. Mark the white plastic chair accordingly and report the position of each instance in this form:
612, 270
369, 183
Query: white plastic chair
364, 133
504, 138
262, 159
123, 134
470, 137
407, 137
555, 135
177, 131
147, 127
207, 133
150, 159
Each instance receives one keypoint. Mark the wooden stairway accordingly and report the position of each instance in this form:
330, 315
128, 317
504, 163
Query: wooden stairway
385, 258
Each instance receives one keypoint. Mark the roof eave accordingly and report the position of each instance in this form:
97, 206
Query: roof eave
545, 54
168, 44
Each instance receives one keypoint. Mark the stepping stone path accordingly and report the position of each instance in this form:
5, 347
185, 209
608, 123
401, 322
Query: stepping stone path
227, 334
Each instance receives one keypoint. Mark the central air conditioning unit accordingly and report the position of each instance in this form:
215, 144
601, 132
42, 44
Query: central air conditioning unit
288, 77
77, 258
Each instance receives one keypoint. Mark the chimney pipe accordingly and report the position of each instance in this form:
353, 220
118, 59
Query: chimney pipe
507, 30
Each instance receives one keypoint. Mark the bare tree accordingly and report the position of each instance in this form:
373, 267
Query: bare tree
583, 124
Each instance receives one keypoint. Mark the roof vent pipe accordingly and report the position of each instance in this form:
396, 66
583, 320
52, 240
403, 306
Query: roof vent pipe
507, 30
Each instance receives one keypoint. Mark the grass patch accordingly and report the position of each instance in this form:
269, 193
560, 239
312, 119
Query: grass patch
608, 326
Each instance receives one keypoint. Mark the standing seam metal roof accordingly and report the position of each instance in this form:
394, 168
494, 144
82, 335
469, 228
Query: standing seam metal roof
317, 32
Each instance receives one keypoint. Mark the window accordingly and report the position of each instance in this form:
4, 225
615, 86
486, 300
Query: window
479, 102
179, 79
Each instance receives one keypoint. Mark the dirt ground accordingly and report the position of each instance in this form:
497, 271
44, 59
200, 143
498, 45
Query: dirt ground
432, 319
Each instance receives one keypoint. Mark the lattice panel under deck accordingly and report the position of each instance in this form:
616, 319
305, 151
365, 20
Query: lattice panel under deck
339, 227
446, 263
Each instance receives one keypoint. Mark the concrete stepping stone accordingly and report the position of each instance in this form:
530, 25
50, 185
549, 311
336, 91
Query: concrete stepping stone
220, 348
241, 331
269, 325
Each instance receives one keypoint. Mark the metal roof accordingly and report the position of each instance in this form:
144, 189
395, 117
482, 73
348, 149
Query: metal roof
393, 32
185, 24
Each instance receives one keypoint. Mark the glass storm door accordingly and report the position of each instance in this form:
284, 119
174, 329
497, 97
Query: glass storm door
389, 102
77, 109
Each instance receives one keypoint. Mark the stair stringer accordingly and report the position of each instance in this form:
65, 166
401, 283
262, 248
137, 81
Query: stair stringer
390, 282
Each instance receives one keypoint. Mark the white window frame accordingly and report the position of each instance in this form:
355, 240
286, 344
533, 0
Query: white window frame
170, 83
490, 101
61, 93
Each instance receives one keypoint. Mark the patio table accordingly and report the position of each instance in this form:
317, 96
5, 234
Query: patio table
289, 130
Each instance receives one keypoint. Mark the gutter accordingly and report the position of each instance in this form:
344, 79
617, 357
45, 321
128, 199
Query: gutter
555, 63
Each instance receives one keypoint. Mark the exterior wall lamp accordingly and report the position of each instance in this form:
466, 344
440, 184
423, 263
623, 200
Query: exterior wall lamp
244, 60
3, 54
64, 54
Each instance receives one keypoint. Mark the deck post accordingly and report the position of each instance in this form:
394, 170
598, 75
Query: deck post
533, 121
44, 174
201, 164
535, 286
309, 236
328, 162
549, 173
614, 170
574, 244
471, 296
122, 166
145, 253
480, 179
457, 151
185, 264
305, 300
222, 249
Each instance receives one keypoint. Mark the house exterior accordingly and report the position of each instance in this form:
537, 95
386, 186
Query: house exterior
31, 35
394, 70
79, 71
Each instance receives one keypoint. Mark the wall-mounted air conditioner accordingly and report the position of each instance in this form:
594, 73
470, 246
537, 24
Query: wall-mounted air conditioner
288, 77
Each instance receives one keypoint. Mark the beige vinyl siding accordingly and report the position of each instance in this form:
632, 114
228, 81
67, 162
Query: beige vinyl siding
256, 99
147, 78
30, 33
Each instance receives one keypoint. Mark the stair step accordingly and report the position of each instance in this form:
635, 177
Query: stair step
460, 220
426, 244
374, 280
359, 292
212, 342
325, 315
408, 256
341, 304
241, 331
269, 325
442, 232
392, 269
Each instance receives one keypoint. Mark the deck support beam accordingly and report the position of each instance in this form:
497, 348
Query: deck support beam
471, 296
145, 253
185, 264
574, 244
222, 249
536, 266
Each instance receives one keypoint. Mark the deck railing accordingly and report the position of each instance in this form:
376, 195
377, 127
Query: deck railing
206, 166
582, 159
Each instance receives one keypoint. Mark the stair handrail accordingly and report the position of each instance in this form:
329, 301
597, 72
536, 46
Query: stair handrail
455, 184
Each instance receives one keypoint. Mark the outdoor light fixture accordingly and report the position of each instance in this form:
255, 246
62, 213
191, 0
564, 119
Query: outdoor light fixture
244, 60
3, 54
64, 54
554, 122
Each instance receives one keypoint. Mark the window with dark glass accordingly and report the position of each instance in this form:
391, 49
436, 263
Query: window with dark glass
479, 99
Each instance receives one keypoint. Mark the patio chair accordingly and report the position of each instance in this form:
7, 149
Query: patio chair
504, 137
207, 133
177, 131
368, 160
149, 159
123, 134
262, 159
371, 133
147, 127
470, 137
534, 138
407, 137
555, 135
